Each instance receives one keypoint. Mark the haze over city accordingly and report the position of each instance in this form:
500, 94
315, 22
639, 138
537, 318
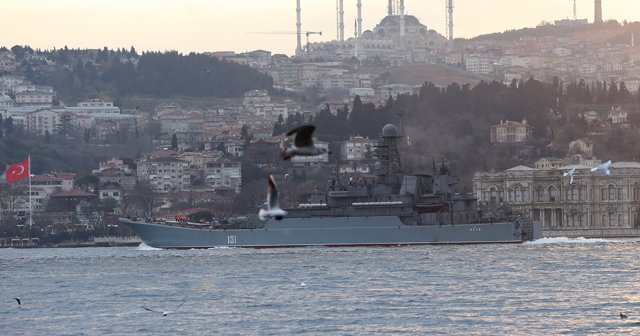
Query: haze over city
199, 25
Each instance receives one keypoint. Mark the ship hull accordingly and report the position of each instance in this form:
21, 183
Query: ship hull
326, 231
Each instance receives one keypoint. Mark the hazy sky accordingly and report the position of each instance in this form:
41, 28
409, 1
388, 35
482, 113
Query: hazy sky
210, 25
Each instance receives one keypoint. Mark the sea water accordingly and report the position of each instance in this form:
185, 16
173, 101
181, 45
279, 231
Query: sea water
548, 287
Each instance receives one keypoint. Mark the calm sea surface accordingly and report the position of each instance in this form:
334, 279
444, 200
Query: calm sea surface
549, 287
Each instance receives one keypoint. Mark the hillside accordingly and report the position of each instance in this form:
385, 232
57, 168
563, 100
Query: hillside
441, 75
610, 32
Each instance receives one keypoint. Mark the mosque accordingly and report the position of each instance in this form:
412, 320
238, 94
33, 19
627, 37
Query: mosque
397, 38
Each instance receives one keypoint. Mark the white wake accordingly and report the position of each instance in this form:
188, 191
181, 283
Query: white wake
566, 240
145, 247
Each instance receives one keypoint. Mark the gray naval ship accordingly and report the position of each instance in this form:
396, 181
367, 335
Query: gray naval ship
393, 209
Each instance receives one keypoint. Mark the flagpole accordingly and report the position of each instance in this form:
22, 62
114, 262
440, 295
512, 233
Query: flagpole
30, 206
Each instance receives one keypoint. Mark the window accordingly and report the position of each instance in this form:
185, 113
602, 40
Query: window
494, 195
552, 194
517, 191
612, 192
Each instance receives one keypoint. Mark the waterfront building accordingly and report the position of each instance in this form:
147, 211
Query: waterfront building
594, 205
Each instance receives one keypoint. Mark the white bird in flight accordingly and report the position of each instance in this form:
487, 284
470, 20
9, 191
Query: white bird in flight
303, 143
273, 203
164, 312
603, 168
569, 175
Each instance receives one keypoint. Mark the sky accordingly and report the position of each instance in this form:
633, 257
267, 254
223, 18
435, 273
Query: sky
240, 25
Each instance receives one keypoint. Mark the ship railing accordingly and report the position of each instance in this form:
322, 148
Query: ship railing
312, 205
376, 203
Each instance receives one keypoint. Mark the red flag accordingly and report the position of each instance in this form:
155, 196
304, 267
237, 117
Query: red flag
17, 171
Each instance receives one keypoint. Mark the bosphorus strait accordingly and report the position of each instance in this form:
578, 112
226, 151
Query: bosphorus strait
551, 286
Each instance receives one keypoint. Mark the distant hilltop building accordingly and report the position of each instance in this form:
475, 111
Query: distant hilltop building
511, 132
386, 41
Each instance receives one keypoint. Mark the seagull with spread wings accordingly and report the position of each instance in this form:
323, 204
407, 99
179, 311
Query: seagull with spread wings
569, 175
303, 143
164, 312
603, 168
273, 203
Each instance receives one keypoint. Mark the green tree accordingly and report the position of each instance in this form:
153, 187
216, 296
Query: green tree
174, 142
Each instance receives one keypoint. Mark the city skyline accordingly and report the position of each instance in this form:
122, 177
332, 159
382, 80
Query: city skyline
200, 25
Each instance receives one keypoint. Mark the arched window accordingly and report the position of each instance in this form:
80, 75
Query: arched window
540, 194
517, 193
493, 192
575, 193
552, 193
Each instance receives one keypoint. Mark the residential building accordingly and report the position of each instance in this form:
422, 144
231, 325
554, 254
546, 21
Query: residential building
549, 163
315, 159
94, 106
511, 132
393, 90
110, 190
164, 174
581, 146
42, 121
224, 173
357, 148
35, 98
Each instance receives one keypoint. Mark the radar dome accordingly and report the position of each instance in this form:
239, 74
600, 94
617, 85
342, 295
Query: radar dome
389, 131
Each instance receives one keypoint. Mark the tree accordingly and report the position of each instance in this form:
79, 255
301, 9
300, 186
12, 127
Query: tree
145, 197
174, 142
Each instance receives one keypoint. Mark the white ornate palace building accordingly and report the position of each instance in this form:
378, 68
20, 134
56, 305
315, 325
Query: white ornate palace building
595, 205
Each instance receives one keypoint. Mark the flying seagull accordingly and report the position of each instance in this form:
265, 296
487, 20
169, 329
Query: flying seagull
603, 168
18, 301
164, 312
569, 175
303, 143
273, 204
624, 315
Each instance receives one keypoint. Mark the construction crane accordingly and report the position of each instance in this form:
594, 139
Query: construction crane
310, 33
307, 33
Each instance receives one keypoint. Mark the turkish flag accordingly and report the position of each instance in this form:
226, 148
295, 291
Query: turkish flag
17, 171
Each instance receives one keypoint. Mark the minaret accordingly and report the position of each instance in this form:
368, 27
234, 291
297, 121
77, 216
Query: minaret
359, 19
450, 19
355, 40
390, 8
633, 42
402, 32
298, 30
598, 12
340, 20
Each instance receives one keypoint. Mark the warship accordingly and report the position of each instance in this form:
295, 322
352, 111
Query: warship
391, 209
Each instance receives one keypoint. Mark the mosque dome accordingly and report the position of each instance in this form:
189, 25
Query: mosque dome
390, 131
394, 21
